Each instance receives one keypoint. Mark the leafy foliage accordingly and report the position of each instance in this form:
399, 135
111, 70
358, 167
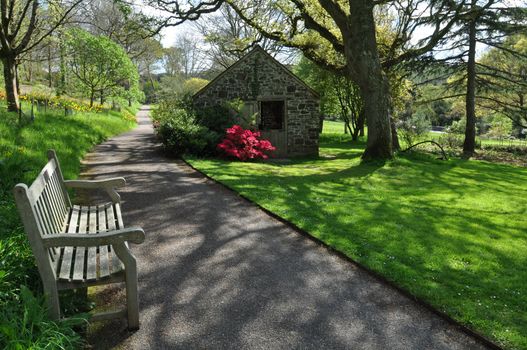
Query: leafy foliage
25, 326
180, 131
412, 127
101, 65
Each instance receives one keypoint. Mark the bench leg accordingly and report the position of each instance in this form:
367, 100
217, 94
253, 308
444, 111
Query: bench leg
52, 299
132, 298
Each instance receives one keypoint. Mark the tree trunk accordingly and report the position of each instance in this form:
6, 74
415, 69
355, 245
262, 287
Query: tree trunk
10, 79
469, 144
102, 97
62, 86
365, 69
355, 135
360, 122
395, 138
50, 76
17, 79
92, 97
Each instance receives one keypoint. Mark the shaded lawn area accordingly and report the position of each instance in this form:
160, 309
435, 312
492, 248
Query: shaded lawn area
450, 232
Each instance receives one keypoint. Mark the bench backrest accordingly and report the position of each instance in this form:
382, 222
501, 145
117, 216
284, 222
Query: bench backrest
44, 208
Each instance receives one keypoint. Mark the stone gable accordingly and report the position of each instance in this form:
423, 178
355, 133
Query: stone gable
258, 78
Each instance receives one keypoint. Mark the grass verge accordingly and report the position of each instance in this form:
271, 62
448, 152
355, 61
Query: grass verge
23, 323
450, 232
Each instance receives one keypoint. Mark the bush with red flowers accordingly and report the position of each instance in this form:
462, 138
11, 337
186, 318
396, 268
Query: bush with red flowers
245, 144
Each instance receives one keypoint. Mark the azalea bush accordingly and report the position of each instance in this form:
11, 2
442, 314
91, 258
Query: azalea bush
245, 144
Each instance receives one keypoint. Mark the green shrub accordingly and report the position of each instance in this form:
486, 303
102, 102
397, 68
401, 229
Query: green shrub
217, 118
413, 127
181, 132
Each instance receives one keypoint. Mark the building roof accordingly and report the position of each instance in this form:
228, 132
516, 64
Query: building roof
256, 49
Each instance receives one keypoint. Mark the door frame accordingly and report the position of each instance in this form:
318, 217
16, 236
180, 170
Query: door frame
285, 126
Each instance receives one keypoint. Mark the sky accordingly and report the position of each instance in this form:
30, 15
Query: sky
170, 34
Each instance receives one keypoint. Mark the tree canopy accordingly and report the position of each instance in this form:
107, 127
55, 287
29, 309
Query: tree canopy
100, 65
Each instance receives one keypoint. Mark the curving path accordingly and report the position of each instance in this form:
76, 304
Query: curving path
215, 272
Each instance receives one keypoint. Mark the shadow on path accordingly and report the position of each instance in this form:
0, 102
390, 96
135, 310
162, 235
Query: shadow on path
216, 272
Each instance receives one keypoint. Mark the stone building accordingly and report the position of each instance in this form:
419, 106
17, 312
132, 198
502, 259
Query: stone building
287, 110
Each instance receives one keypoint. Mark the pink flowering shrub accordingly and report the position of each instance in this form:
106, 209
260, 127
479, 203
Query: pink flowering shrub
245, 144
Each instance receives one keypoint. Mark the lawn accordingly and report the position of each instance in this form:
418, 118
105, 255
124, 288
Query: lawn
23, 322
450, 232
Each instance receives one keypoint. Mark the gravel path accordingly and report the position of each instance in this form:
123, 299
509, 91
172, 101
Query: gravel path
215, 272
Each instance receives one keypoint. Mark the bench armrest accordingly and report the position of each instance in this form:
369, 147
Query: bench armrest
132, 234
109, 185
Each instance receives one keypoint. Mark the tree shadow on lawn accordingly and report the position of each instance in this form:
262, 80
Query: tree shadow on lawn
214, 275
448, 232
197, 293
216, 272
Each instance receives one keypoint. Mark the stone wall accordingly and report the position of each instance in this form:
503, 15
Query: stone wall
258, 77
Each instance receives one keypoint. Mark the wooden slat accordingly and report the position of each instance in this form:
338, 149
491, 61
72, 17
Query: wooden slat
51, 210
67, 256
104, 269
36, 188
44, 216
57, 193
43, 228
91, 268
112, 225
78, 270
118, 216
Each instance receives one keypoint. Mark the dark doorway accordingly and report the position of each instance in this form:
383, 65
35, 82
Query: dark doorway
272, 115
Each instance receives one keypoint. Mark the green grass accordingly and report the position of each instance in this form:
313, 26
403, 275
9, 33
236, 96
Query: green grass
333, 127
450, 232
22, 155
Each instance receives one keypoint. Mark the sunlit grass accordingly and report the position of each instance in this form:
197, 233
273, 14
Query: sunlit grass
450, 232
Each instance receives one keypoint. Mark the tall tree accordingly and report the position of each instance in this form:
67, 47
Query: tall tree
24, 24
338, 95
341, 36
172, 60
503, 76
480, 23
229, 37
99, 64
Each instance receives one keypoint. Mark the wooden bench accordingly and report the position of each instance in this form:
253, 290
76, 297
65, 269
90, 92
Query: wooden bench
77, 246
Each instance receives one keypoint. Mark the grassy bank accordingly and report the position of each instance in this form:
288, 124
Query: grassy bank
450, 232
23, 147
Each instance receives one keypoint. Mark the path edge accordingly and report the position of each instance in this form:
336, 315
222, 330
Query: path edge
465, 329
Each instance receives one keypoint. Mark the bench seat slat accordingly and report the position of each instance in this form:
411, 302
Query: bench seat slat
80, 263
113, 225
84, 262
104, 268
67, 255
91, 269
